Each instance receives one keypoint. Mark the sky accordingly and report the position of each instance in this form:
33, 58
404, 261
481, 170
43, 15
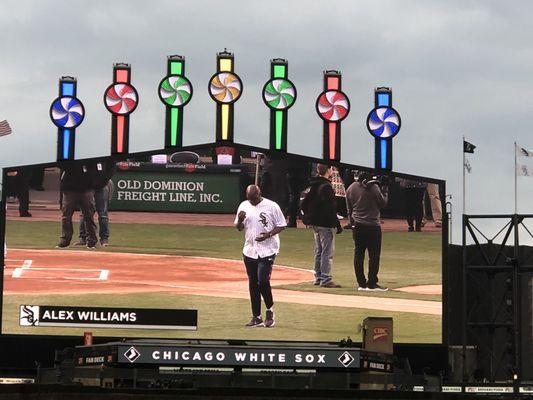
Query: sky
455, 68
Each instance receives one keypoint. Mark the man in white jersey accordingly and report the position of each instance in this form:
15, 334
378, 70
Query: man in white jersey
261, 220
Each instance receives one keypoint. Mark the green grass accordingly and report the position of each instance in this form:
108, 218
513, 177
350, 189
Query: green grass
406, 258
220, 318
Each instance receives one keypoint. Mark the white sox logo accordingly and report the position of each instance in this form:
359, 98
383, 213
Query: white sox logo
263, 219
132, 354
346, 359
29, 315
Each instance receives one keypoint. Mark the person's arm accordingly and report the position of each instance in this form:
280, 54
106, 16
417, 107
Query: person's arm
380, 197
239, 219
349, 205
265, 235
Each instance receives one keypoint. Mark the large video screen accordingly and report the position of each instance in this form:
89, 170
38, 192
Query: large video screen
325, 248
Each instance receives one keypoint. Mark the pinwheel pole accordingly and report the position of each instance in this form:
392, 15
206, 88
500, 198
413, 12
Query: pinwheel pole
333, 106
384, 123
175, 91
225, 88
279, 94
67, 113
120, 99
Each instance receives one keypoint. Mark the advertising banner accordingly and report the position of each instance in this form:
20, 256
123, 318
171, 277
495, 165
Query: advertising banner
177, 192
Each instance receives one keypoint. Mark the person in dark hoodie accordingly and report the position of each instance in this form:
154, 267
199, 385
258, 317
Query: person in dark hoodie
364, 200
103, 190
321, 210
77, 190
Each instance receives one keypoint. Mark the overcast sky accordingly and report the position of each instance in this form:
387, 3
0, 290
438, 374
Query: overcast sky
456, 68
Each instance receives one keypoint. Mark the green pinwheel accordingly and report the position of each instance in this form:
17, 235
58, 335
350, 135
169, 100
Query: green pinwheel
279, 94
175, 91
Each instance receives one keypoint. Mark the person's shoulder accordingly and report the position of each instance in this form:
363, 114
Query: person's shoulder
270, 203
243, 204
354, 185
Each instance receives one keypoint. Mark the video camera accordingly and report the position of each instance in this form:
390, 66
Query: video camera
381, 180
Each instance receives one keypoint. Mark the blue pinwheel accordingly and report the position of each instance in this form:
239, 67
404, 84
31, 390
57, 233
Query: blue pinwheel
383, 122
67, 112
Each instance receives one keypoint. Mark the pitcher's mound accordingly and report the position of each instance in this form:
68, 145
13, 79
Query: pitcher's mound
422, 289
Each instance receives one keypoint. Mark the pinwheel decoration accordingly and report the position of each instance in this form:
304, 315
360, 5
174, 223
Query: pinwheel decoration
384, 123
67, 113
333, 106
225, 88
120, 99
279, 94
175, 91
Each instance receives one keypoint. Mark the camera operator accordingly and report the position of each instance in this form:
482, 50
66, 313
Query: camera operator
364, 200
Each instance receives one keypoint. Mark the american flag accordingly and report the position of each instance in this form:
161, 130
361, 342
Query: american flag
5, 129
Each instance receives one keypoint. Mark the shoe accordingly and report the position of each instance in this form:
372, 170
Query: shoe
25, 214
269, 319
362, 287
330, 284
91, 246
255, 322
62, 245
377, 288
104, 242
80, 243
410, 229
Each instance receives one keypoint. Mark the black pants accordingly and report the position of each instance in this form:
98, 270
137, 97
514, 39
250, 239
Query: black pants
85, 200
414, 210
366, 237
23, 194
259, 271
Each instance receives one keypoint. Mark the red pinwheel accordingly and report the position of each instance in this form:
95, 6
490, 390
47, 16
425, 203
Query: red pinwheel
121, 99
333, 106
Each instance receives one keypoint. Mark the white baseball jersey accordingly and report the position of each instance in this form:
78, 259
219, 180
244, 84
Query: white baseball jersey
263, 217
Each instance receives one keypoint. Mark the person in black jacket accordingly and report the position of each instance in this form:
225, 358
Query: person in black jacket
103, 189
321, 209
77, 190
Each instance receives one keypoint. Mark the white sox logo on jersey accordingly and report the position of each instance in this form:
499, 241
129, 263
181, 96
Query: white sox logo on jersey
263, 219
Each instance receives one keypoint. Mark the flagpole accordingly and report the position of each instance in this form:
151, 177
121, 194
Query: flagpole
515, 182
464, 177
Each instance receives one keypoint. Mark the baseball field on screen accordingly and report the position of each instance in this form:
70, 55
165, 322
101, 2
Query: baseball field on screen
199, 267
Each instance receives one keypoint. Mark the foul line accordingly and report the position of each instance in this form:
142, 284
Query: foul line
27, 265
17, 272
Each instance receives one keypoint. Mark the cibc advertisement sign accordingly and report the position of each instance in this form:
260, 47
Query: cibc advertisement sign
105, 317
